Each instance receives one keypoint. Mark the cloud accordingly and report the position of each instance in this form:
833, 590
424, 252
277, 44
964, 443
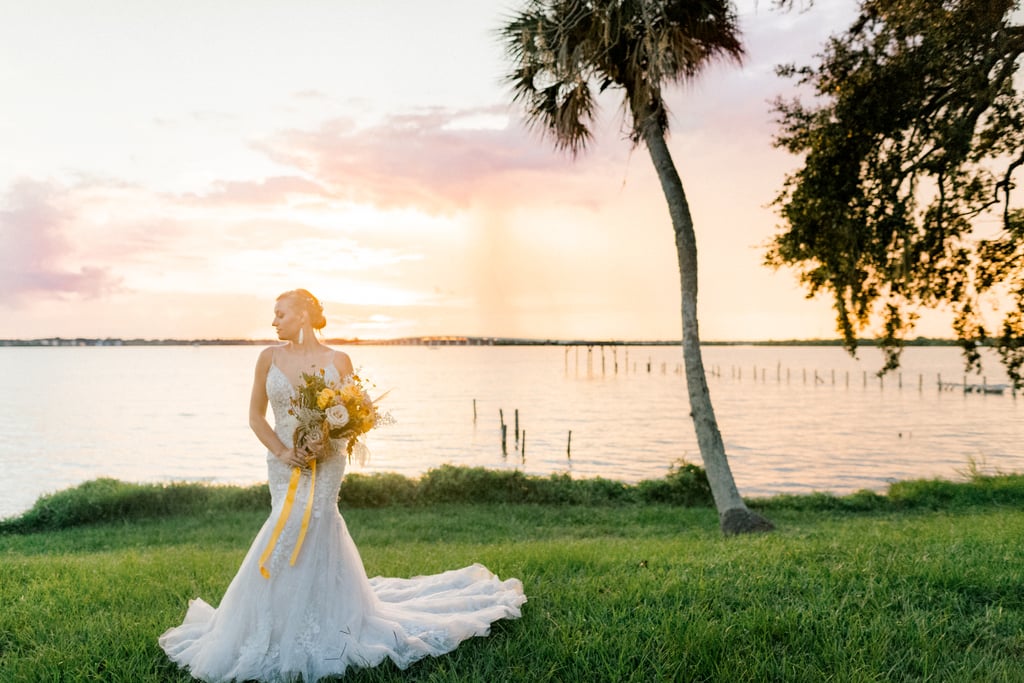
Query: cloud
436, 160
39, 260
311, 94
66, 241
270, 191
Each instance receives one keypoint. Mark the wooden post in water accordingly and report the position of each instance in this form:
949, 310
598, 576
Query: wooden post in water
568, 447
602, 360
787, 375
865, 379
762, 375
778, 372
504, 431
847, 379
615, 359
474, 411
567, 360
805, 375
833, 377
517, 424
920, 382
523, 445
899, 380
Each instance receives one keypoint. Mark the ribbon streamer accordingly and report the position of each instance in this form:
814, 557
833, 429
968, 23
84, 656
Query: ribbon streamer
305, 515
286, 511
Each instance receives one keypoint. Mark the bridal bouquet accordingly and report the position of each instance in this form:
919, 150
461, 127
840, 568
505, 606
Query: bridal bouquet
328, 413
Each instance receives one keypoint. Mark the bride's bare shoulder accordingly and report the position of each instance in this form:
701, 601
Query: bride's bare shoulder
342, 362
266, 356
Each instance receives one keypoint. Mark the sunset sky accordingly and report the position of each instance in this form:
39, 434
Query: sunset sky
168, 168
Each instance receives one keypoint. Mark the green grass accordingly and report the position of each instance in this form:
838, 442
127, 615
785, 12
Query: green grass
923, 584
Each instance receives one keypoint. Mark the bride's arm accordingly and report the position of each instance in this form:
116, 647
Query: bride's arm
258, 413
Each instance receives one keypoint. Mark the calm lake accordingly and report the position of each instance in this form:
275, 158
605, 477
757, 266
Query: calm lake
159, 414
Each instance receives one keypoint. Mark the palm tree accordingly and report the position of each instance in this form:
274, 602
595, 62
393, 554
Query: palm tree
561, 52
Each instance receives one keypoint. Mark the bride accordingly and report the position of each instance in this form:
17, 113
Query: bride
317, 614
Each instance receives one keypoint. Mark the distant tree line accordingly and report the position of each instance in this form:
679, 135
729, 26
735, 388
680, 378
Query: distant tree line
466, 341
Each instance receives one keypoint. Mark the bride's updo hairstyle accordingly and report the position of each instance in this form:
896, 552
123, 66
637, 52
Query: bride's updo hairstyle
308, 303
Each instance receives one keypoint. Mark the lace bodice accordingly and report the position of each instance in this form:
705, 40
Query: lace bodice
329, 472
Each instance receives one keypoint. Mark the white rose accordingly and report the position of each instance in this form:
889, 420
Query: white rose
337, 416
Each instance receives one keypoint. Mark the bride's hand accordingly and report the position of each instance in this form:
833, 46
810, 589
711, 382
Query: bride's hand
293, 458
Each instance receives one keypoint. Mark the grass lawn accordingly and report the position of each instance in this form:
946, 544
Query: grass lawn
616, 592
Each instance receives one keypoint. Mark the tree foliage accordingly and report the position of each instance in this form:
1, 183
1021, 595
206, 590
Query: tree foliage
565, 52
906, 197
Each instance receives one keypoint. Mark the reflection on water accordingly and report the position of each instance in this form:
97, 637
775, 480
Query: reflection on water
794, 419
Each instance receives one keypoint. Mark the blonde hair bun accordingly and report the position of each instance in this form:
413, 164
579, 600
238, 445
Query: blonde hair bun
310, 304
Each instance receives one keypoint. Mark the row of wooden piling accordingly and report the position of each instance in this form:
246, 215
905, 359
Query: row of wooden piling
614, 367
760, 374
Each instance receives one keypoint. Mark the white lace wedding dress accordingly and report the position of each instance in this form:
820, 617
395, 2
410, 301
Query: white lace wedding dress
323, 615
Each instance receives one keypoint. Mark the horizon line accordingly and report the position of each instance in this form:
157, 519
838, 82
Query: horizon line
453, 340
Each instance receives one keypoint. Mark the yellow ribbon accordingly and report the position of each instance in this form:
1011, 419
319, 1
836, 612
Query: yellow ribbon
305, 515
286, 511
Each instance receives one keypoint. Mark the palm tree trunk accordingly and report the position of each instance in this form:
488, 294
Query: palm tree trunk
733, 514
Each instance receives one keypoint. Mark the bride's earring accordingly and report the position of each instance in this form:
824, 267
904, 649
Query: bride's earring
301, 335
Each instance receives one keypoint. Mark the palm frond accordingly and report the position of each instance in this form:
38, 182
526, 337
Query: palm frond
561, 49
551, 73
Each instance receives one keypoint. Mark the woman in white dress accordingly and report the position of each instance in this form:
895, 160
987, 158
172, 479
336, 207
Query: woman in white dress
317, 614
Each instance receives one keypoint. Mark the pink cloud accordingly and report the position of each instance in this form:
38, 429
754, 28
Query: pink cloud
262, 193
435, 160
32, 228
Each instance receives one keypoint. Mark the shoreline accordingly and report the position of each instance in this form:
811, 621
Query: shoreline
111, 500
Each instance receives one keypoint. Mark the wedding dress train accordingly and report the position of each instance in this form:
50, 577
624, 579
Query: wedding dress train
322, 615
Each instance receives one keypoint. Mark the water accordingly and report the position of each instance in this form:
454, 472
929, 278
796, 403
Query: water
158, 414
